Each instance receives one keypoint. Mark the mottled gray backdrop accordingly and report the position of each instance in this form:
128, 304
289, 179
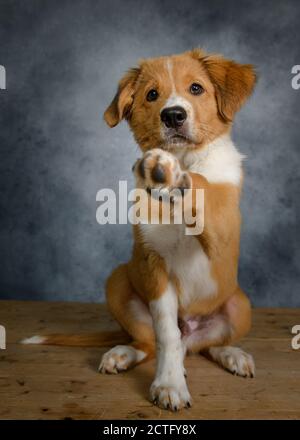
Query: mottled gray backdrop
63, 60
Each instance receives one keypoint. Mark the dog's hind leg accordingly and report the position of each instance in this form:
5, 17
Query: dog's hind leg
134, 317
217, 332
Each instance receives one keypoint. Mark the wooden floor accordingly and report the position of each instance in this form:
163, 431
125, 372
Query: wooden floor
43, 382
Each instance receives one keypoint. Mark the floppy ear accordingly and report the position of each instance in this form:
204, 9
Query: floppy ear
233, 83
121, 104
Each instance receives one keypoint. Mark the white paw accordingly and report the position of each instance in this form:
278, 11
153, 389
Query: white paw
234, 360
159, 169
170, 395
120, 358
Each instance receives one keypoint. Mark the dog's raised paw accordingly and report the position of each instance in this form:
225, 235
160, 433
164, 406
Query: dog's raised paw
159, 169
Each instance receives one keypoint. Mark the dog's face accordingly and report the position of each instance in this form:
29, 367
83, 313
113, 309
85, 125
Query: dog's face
181, 101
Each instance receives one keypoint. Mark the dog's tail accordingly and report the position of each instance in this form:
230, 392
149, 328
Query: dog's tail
103, 339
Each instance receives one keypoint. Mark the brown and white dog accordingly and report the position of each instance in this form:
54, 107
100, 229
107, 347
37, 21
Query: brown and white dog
179, 293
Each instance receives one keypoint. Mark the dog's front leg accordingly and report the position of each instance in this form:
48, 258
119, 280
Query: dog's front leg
169, 389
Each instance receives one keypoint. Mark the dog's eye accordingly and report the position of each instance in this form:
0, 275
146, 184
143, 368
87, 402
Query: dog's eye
196, 89
152, 95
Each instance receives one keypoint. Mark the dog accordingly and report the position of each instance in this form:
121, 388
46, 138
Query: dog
179, 293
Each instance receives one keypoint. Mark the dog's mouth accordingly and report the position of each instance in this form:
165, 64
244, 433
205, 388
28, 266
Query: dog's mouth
176, 137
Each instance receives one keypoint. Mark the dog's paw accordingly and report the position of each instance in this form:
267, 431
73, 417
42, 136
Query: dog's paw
118, 359
172, 396
160, 170
234, 360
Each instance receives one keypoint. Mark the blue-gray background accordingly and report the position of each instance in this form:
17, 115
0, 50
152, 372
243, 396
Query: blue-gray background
63, 60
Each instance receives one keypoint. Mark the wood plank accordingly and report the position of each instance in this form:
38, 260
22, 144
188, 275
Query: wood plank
44, 382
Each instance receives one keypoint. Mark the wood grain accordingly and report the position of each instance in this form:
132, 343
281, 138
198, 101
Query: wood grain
44, 382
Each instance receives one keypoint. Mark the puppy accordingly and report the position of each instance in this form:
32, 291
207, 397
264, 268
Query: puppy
179, 293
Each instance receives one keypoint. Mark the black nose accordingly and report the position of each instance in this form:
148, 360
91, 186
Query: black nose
173, 116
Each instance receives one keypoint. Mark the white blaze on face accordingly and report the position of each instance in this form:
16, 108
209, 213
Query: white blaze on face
170, 71
176, 100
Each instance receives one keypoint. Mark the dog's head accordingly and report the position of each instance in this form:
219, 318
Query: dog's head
181, 101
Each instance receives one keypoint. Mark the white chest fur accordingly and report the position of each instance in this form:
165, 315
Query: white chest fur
184, 258
219, 161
